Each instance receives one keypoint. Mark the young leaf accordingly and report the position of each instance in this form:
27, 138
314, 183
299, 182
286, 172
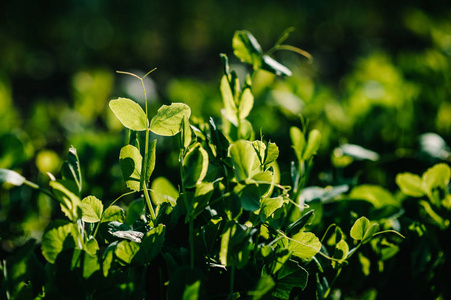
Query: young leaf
298, 141
249, 196
168, 120
131, 163
66, 192
163, 191
269, 206
341, 252
376, 195
272, 153
195, 166
273, 66
410, 184
246, 103
244, 159
363, 230
92, 209
230, 109
11, 177
304, 245
129, 113
246, 48
113, 213
71, 168
437, 176
314, 140
151, 160
125, 251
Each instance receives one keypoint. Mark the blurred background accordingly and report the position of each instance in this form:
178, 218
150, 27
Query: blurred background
380, 79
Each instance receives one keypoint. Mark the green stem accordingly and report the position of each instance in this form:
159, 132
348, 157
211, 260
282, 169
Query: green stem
232, 282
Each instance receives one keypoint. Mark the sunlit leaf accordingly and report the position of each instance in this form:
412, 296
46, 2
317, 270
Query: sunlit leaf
126, 250
131, 163
304, 245
299, 224
230, 109
244, 159
168, 120
246, 103
436, 176
11, 177
313, 143
298, 141
163, 191
270, 205
270, 64
376, 195
358, 152
92, 209
113, 213
151, 245
71, 168
410, 184
363, 230
195, 165
246, 48
66, 192
129, 113
56, 240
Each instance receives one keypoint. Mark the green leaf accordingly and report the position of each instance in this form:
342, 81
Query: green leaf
376, 195
135, 211
273, 66
92, 209
56, 240
249, 196
269, 206
11, 177
246, 103
304, 245
314, 140
291, 276
410, 184
125, 251
131, 163
151, 160
298, 141
123, 231
163, 191
200, 199
113, 213
168, 120
244, 159
436, 177
272, 153
341, 252
129, 113
246, 48
264, 286
71, 168
230, 109
195, 165
151, 245
363, 230
66, 192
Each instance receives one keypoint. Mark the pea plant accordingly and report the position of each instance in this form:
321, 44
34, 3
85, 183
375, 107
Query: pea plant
230, 229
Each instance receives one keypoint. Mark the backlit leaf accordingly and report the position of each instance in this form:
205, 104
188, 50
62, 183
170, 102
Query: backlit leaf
246, 103
244, 159
246, 48
113, 213
195, 165
131, 163
363, 230
168, 120
71, 168
304, 245
129, 113
126, 250
92, 209
273, 66
163, 191
66, 191
410, 184
436, 176
11, 177
56, 240
313, 143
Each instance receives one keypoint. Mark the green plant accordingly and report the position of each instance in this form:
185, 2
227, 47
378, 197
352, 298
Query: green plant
232, 228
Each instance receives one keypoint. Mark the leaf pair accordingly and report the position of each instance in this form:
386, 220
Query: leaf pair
167, 121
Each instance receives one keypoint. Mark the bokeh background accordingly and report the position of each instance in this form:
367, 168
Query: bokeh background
380, 79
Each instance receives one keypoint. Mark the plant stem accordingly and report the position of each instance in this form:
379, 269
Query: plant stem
232, 281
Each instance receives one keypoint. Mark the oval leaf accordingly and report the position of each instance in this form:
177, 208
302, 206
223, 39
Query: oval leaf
304, 245
195, 166
314, 140
168, 120
410, 184
131, 163
92, 209
11, 177
363, 230
129, 113
246, 48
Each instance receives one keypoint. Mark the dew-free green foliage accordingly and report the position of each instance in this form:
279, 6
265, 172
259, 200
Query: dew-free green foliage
232, 227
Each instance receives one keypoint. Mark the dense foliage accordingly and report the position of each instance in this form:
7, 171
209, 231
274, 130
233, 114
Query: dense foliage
234, 222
